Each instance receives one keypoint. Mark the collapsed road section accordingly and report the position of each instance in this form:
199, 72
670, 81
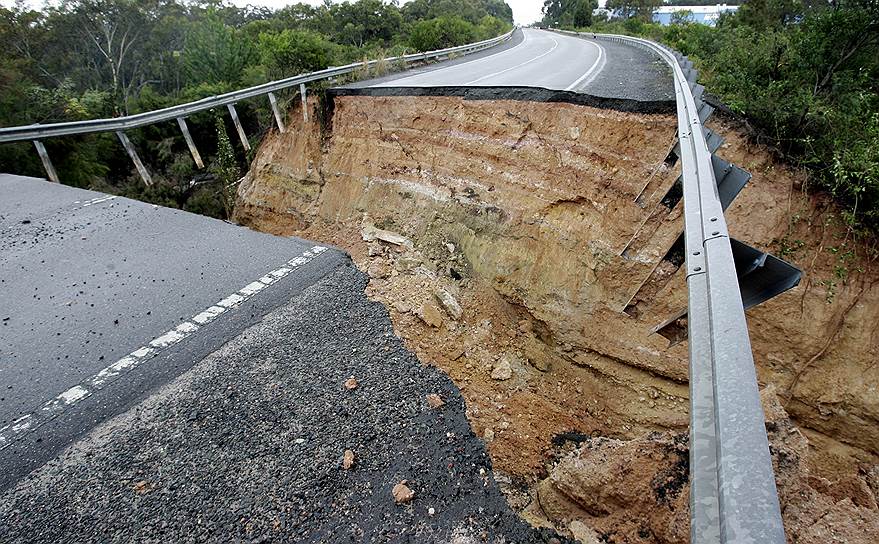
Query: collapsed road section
527, 248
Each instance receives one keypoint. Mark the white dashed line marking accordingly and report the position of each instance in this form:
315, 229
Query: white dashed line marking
52, 408
98, 200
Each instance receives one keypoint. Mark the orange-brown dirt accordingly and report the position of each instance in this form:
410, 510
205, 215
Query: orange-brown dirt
546, 224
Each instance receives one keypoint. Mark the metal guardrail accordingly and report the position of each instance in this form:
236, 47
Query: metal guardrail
733, 498
37, 132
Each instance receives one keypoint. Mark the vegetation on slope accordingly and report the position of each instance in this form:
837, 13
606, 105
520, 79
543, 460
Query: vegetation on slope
805, 75
86, 59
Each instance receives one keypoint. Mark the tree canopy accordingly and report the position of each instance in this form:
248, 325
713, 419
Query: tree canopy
85, 59
805, 74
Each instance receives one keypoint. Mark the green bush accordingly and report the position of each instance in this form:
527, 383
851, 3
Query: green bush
292, 52
807, 79
446, 31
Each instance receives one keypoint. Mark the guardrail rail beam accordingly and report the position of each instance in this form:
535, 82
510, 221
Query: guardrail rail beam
733, 498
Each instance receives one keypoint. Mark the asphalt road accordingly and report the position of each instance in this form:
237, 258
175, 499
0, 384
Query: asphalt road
247, 446
540, 59
105, 298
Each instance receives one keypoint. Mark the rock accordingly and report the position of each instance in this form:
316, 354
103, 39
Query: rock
434, 401
536, 352
540, 364
299, 441
407, 263
377, 270
375, 249
371, 233
449, 304
350, 383
402, 306
583, 532
488, 435
431, 511
348, 460
430, 315
502, 371
402, 493
142, 487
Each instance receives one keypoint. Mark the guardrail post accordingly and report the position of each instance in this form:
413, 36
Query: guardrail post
238, 126
141, 169
47, 163
189, 142
304, 102
277, 112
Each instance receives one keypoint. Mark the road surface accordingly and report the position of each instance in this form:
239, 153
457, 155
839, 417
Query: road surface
545, 60
541, 59
167, 376
90, 281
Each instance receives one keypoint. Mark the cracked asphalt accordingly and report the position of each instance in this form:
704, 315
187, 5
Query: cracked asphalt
247, 446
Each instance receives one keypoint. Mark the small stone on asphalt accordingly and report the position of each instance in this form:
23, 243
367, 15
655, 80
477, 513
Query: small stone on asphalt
348, 460
402, 493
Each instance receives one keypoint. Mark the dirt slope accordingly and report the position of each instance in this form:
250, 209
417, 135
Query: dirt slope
527, 249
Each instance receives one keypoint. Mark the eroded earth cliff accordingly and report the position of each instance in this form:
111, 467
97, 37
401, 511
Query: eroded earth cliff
528, 249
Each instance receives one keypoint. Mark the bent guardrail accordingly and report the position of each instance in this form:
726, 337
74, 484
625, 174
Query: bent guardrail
38, 132
733, 498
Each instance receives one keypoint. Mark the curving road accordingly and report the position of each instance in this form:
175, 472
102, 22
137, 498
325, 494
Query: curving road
541, 59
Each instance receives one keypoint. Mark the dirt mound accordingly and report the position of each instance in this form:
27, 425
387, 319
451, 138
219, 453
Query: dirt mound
637, 490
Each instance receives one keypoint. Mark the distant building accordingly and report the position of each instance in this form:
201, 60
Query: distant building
706, 15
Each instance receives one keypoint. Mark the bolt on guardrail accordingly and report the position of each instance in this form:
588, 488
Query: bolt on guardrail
733, 498
37, 133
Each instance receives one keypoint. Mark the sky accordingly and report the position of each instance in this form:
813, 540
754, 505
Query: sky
524, 11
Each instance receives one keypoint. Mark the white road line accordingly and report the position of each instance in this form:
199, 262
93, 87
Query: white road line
593, 71
397, 81
52, 408
555, 44
98, 200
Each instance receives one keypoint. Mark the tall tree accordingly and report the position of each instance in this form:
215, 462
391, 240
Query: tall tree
116, 30
640, 9
576, 13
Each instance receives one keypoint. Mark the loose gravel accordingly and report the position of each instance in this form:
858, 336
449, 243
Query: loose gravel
631, 73
248, 446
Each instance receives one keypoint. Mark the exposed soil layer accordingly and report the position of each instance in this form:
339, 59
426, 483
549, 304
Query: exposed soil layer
530, 94
637, 490
528, 249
